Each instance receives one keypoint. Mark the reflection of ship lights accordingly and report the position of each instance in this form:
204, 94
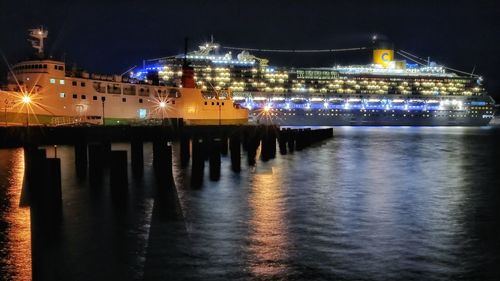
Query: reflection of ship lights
325, 105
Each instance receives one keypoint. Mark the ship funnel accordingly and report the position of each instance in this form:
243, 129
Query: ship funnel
187, 79
383, 53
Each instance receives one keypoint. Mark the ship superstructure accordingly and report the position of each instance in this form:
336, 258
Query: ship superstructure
385, 92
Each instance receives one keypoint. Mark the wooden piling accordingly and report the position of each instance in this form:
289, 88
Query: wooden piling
235, 148
96, 165
215, 160
198, 163
184, 150
118, 173
137, 155
81, 158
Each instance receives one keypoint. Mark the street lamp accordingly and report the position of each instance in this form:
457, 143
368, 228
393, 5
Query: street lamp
162, 108
103, 99
27, 100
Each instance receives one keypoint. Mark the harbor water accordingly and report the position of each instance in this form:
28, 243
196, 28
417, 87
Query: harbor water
373, 203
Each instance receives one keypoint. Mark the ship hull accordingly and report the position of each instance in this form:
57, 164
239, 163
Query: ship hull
361, 120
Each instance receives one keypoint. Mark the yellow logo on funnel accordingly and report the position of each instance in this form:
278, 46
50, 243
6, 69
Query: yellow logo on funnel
383, 57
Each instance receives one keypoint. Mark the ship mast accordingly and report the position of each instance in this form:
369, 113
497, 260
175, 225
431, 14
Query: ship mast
39, 34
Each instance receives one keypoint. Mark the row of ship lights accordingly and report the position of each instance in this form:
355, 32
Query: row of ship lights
373, 68
386, 104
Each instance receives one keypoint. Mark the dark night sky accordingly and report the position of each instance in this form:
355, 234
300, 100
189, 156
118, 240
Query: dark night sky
111, 36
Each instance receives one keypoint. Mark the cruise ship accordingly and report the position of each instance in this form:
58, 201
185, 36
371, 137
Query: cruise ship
44, 91
386, 92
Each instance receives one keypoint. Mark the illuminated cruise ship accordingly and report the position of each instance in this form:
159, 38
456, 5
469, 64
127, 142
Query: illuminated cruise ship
385, 92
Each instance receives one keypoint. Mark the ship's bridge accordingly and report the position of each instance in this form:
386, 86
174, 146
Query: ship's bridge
33, 70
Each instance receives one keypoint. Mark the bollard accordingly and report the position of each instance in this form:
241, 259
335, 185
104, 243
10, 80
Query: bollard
215, 160
184, 143
235, 148
118, 172
137, 151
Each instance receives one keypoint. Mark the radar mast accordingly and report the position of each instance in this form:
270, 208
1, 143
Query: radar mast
39, 34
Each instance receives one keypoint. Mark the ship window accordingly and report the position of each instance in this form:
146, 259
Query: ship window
212, 103
45, 66
217, 103
94, 97
82, 84
140, 100
55, 67
84, 97
61, 82
124, 99
205, 103
103, 99
142, 113
222, 103
173, 102
62, 95
52, 81
73, 83
74, 96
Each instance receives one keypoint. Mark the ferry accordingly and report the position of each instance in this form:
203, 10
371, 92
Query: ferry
44, 91
386, 92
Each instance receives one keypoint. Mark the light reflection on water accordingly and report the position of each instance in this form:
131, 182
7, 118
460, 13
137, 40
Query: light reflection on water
15, 248
268, 234
370, 204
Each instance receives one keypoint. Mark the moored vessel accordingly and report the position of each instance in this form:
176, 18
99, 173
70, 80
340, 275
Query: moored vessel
44, 91
387, 92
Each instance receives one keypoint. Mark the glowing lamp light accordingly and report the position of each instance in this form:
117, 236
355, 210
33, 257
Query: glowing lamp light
163, 104
26, 99
267, 108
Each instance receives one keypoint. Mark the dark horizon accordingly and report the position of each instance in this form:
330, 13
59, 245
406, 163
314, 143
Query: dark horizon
107, 37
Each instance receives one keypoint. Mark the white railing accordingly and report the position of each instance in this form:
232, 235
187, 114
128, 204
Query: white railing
66, 120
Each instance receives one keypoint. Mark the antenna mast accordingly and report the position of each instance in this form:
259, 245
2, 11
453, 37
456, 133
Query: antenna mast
39, 34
